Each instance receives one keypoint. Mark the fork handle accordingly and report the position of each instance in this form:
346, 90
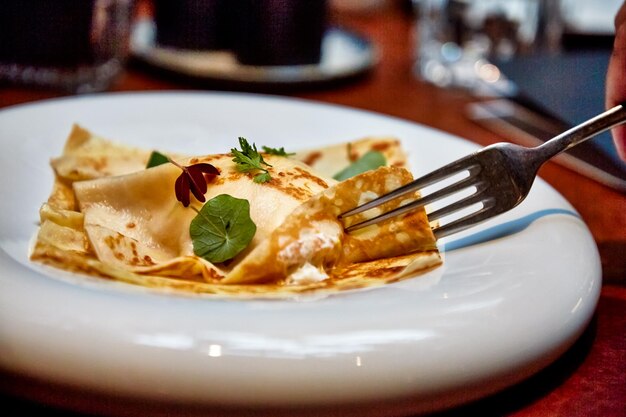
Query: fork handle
586, 130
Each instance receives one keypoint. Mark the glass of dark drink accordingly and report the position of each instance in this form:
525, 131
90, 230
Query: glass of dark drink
193, 24
279, 32
74, 45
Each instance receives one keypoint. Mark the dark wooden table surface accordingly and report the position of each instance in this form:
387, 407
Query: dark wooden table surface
590, 379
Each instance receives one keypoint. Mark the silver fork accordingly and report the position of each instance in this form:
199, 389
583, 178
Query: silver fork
501, 174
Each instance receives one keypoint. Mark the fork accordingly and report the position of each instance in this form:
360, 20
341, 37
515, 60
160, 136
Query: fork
500, 174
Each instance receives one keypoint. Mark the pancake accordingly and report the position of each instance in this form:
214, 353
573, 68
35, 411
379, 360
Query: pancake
330, 160
311, 242
109, 216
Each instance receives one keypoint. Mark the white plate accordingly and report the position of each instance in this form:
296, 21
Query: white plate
493, 314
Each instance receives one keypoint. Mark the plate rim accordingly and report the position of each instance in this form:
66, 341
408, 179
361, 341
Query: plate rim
143, 46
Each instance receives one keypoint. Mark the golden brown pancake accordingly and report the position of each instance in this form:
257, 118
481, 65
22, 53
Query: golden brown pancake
110, 217
329, 160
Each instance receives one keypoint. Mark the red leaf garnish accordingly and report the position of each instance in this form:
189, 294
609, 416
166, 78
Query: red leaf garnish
197, 183
181, 188
193, 178
205, 168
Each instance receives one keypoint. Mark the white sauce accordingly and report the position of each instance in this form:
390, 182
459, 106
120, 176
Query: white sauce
310, 241
306, 274
301, 253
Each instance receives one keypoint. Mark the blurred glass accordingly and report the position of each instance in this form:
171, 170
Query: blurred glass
280, 32
256, 32
194, 24
460, 42
77, 46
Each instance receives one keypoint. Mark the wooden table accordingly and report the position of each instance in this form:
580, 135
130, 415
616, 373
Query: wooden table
590, 379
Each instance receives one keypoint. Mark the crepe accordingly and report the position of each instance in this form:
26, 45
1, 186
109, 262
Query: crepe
329, 160
110, 217
311, 244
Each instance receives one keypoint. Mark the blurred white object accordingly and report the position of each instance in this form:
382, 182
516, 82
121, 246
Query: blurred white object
590, 17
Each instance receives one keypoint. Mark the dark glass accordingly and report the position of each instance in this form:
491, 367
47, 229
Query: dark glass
279, 32
193, 24
73, 45
46, 32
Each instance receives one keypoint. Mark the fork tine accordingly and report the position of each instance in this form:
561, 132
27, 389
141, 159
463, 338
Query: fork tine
424, 181
466, 221
420, 202
382, 217
474, 198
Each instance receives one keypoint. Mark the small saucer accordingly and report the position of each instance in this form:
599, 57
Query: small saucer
344, 55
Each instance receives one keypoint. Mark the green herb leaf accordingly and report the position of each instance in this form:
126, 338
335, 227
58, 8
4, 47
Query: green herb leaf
263, 177
222, 228
156, 159
370, 160
249, 159
277, 151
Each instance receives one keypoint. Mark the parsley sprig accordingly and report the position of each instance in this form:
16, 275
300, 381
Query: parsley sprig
277, 151
249, 159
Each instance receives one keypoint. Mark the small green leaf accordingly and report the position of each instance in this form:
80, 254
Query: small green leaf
222, 228
277, 151
263, 177
157, 158
370, 160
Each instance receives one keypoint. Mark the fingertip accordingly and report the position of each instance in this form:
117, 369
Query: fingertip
619, 137
620, 17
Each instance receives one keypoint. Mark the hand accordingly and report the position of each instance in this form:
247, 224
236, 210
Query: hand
616, 78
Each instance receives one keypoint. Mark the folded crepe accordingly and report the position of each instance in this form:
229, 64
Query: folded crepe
109, 216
